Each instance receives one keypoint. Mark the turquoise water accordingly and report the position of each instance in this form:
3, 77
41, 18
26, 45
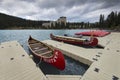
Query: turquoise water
72, 67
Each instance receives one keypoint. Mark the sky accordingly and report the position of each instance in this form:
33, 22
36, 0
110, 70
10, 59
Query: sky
74, 10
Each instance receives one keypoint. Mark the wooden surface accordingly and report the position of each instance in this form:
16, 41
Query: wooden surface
15, 64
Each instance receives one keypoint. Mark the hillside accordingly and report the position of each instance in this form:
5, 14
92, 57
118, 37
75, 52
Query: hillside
10, 22
112, 22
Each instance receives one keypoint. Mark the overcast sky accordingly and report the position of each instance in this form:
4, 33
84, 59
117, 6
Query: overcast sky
74, 10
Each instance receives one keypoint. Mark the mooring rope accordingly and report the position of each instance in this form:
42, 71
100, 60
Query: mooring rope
39, 62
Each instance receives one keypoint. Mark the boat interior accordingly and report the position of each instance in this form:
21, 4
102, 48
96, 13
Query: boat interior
71, 38
40, 48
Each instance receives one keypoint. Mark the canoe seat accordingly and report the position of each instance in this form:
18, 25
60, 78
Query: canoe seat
40, 49
44, 48
37, 47
45, 54
33, 41
48, 55
35, 44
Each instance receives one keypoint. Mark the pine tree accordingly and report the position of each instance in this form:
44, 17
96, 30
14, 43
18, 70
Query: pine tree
119, 18
101, 21
110, 19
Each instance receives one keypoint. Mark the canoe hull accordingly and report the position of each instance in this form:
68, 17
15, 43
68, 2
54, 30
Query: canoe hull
96, 33
57, 59
93, 41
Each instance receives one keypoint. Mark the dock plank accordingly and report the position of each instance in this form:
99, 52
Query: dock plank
84, 55
64, 77
20, 67
106, 63
105, 66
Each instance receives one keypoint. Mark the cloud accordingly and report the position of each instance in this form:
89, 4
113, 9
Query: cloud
59, 3
74, 10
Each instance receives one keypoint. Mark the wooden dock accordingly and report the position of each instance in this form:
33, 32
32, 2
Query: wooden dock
15, 64
104, 63
84, 55
63, 77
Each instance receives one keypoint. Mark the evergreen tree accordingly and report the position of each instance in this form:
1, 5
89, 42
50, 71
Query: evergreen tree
119, 18
82, 24
110, 20
116, 19
101, 21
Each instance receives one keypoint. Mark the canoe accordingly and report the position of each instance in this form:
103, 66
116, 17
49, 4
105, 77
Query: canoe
46, 53
92, 41
96, 33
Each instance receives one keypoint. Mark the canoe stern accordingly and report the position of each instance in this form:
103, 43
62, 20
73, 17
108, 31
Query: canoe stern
57, 60
94, 41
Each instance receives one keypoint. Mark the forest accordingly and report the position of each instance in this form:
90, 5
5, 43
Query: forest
12, 22
111, 22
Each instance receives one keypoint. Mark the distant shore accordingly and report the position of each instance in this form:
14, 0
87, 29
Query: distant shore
64, 29
115, 30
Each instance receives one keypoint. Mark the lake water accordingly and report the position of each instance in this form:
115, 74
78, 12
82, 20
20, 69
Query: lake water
72, 66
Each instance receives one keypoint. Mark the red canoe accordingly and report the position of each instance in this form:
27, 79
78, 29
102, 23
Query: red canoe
76, 41
46, 53
97, 33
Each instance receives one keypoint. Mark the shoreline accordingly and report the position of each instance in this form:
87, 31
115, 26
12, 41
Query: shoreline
66, 29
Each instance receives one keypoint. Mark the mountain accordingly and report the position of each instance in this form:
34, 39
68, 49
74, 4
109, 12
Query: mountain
11, 22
